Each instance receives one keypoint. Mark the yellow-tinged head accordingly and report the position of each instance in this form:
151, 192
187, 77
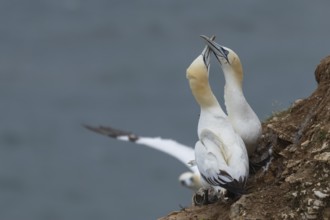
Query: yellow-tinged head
199, 68
198, 77
197, 72
228, 59
190, 180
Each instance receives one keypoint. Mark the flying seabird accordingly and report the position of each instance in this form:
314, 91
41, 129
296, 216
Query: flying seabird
184, 154
240, 114
220, 153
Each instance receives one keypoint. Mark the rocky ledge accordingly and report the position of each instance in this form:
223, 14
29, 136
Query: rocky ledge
296, 184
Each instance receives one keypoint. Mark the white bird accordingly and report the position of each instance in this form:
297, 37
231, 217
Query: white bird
220, 153
240, 114
179, 151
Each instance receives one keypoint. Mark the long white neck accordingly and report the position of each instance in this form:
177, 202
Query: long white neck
198, 77
211, 111
234, 98
242, 117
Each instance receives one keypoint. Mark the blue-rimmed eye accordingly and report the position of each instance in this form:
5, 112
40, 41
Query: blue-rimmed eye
226, 52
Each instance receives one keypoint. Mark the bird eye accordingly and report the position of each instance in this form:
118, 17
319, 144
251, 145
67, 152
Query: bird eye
226, 52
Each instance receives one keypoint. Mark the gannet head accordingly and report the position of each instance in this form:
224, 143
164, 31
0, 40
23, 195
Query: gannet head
190, 180
198, 77
199, 68
228, 59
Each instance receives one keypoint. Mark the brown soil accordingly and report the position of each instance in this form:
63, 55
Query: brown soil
297, 182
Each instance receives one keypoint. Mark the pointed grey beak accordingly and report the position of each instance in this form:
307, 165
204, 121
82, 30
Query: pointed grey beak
206, 53
217, 49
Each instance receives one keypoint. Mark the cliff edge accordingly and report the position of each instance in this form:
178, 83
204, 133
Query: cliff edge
296, 184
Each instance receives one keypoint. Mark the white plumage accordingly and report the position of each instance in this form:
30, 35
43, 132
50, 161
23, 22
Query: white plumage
183, 153
220, 153
242, 117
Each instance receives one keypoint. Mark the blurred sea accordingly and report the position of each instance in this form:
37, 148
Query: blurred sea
122, 63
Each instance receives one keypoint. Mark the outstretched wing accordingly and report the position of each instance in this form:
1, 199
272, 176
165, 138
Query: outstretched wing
181, 152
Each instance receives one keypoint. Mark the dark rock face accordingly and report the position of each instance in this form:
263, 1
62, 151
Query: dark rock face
322, 72
296, 184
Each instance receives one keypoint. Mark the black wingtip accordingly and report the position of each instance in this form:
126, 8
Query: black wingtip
91, 128
112, 132
235, 188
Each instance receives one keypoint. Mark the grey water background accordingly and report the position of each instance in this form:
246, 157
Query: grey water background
122, 63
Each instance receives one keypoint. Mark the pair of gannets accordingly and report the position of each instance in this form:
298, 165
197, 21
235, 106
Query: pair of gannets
220, 153
240, 115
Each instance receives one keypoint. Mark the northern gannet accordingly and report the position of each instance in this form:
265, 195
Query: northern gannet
179, 151
220, 153
242, 117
